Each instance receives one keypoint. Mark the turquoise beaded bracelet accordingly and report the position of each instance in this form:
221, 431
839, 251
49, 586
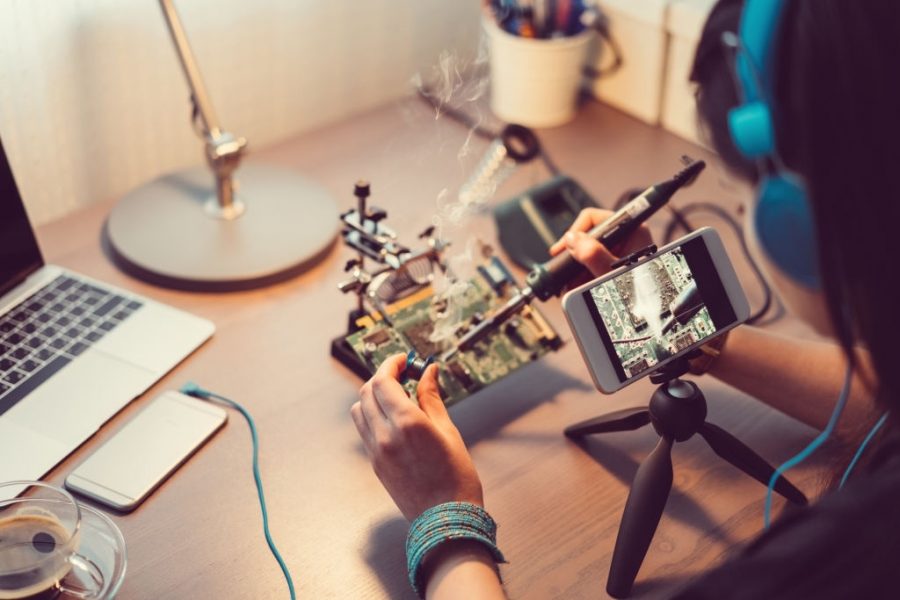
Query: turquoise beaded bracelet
444, 522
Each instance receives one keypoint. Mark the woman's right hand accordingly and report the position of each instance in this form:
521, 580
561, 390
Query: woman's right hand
591, 253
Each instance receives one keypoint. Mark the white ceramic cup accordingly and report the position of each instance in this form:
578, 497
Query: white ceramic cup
535, 82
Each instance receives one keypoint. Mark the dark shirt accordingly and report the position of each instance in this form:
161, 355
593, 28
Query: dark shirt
847, 545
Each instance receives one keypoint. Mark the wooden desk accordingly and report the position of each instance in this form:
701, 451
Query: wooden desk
558, 504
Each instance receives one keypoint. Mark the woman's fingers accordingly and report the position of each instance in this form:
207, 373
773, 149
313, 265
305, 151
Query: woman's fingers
589, 252
590, 218
586, 220
389, 394
362, 427
429, 395
375, 419
638, 240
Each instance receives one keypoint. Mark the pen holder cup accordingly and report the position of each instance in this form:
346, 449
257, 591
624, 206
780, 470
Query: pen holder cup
535, 82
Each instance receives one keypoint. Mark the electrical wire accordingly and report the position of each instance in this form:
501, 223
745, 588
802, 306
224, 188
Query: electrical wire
476, 127
549, 163
862, 448
632, 340
455, 114
192, 389
811, 447
725, 216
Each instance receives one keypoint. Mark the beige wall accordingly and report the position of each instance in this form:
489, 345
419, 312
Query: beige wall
93, 101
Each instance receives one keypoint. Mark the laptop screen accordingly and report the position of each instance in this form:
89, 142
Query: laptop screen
19, 253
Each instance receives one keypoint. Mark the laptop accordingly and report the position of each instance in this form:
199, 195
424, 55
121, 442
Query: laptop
73, 351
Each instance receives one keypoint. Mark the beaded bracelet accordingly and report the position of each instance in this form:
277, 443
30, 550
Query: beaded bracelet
444, 522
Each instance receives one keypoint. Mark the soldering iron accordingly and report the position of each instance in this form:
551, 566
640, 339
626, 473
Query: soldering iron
548, 279
687, 304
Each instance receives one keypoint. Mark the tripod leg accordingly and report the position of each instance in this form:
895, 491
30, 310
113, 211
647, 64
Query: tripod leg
643, 509
627, 419
744, 458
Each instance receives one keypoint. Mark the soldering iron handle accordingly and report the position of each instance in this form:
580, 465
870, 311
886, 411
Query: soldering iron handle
550, 278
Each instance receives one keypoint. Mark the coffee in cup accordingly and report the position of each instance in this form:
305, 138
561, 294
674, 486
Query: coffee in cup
31, 560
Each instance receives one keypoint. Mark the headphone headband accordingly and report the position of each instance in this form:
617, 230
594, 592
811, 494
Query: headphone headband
783, 218
751, 122
759, 25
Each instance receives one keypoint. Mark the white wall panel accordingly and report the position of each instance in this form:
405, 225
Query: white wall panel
93, 101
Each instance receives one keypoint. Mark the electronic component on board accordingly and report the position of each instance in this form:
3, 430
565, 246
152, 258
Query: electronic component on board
496, 275
377, 338
415, 366
398, 310
460, 373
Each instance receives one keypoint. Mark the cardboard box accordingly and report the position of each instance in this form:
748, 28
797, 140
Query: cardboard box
684, 24
639, 28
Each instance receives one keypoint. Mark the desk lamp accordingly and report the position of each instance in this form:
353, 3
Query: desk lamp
189, 231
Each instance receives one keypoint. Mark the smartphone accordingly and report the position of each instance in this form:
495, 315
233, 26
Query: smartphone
139, 457
637, 318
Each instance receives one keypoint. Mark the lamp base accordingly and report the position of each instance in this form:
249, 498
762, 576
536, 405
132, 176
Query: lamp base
163, 234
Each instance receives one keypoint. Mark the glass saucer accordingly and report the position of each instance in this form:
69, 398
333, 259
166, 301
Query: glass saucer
102, 556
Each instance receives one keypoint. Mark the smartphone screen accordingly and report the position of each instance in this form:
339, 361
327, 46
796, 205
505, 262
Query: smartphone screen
659, 308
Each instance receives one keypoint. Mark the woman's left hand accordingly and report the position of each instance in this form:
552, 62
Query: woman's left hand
416, 451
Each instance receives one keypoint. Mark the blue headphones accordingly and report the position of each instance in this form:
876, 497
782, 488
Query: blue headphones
784, 221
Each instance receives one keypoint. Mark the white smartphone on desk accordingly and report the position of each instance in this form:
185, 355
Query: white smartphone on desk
639, 317
140, 456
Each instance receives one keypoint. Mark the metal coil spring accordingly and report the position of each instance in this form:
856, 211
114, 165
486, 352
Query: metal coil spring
516, 145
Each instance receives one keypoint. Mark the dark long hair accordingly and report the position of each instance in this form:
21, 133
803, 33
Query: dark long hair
836, 108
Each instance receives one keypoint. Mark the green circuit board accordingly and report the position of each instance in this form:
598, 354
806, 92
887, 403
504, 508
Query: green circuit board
525, 338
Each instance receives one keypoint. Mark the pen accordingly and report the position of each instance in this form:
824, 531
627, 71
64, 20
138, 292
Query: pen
540, 18
563, 9
526, 19
573, 25
504, 12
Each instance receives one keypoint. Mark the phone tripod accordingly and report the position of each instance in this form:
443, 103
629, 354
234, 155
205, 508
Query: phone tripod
677, 411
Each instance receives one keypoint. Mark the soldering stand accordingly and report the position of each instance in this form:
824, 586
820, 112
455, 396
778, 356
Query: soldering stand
677, 411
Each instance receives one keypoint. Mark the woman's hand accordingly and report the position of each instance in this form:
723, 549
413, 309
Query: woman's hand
415, 450
591, 253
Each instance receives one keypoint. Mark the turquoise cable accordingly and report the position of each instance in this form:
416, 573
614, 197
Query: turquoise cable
862, 448
812, 447
192, 389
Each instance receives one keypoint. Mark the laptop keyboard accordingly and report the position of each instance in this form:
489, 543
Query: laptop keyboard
50, 328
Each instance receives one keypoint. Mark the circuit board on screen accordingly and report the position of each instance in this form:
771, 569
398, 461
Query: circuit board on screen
636, 348
523, 339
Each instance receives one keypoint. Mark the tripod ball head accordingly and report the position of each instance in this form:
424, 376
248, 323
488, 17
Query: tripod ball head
677, 410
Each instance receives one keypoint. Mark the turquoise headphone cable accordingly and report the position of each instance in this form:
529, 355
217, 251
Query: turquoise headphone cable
813, 445
862, 448
192, 389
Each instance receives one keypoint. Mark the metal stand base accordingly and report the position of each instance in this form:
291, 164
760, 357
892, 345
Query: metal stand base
164, 233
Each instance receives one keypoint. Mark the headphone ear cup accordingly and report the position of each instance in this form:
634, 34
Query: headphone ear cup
785, 228
751, 129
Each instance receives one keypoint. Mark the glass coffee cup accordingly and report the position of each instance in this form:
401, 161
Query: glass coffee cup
41, 530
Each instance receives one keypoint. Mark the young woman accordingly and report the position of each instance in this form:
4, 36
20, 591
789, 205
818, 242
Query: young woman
835, 104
